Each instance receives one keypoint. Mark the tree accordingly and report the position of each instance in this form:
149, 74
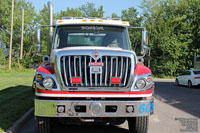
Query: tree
30, 14
70, 12
89, 10
114, 15
132, 16
171, 24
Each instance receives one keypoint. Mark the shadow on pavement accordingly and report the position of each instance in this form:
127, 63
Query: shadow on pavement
181, 97
90, 129
60, 128
14, 102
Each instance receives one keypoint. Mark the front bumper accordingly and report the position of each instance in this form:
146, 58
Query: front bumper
88, 108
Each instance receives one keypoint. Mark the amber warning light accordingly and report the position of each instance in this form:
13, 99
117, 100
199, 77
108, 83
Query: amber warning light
115, 80
76, 80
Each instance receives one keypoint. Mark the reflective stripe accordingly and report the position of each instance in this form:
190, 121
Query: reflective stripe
88, 95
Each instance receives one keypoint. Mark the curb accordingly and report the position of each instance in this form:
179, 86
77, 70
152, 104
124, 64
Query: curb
163, 80
19, 123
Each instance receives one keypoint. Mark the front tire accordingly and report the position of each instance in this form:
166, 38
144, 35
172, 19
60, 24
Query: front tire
44, 125
177, 82
138, 124
189, 84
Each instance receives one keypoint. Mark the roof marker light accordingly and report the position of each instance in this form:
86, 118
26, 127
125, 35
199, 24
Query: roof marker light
60, 21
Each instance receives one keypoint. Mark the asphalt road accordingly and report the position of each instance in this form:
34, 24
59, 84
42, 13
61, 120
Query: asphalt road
177, 110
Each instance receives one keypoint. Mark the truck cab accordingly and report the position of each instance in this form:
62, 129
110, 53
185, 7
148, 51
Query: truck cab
91, 75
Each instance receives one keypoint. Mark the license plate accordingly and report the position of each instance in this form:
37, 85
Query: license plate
96, 70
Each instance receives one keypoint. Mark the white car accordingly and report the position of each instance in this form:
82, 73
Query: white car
189, 78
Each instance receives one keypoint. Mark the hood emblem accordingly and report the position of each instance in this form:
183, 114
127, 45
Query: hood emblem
95, 55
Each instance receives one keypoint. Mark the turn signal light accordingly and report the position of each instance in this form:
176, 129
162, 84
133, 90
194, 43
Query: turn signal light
115, 80
76, 80
38, 77
149, 79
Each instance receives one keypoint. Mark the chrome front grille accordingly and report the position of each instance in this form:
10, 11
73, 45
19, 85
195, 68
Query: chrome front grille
78, 66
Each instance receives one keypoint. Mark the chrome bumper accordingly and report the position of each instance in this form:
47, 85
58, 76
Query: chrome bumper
101, 108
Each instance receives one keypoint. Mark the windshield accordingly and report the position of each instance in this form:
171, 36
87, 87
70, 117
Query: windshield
103, 36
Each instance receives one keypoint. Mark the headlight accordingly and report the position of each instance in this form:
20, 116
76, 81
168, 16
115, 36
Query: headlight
48, 83
140, 83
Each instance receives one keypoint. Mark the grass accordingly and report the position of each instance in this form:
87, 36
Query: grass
16, 96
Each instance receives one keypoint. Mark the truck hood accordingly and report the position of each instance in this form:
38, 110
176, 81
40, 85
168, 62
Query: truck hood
88, 50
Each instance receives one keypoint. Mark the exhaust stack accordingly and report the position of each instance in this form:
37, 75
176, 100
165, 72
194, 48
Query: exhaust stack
49, 45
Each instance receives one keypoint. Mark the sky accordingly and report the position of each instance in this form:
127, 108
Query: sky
109, 6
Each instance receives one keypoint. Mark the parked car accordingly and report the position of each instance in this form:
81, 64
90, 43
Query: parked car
190, 78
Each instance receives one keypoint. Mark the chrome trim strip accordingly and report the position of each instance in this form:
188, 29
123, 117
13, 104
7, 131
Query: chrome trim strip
121, 67
101, 74
70, 75
85, 70
75, 66
90, 73
126, 71
111, 67
106, 71
64, 67
116, 67
80, 69
95, 77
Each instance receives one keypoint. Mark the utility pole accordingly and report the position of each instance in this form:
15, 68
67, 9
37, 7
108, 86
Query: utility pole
11, 33
22, 35
195, 59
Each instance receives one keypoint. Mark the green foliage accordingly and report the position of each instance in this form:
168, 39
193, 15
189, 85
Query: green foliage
132, 16
89, 10
29, 26
114, 15
43, 19
174, 37
173, 26
2, 58
73, 12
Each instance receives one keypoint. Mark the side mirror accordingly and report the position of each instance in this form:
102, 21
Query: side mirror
38, 40
144, 42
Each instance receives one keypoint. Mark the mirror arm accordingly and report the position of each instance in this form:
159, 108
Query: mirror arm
46, 25
140, 28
